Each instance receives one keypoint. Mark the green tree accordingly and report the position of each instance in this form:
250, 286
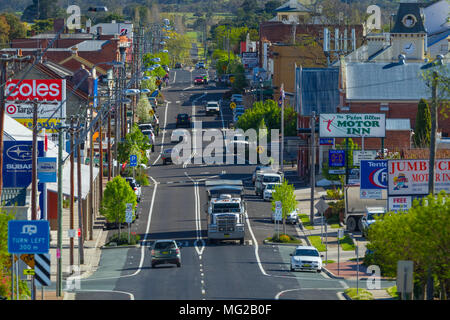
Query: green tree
4, 31
284, 193
135, 142
41, 10
422, 128
143, 109
115, 198
420, 235
41, 26
17, 29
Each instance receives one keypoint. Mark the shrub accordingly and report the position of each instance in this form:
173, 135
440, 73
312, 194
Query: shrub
122, 239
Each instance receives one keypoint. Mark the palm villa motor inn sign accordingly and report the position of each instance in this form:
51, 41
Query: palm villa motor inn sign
352, 125
410, 177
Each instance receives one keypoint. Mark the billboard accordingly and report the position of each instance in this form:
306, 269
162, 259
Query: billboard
50, 126
250, 60
373, 174
352, 125
410, 177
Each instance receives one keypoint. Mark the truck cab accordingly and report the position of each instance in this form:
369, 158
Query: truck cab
225, 210
369, 218
264, 178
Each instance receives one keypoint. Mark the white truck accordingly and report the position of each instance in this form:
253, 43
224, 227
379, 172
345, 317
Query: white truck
356, 208
263, 178
225, 210
212, 107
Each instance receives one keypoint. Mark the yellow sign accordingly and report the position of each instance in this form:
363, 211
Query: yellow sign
260, 149
28, 272
50, 127
231, 79
151, 112
28, 259
232, 105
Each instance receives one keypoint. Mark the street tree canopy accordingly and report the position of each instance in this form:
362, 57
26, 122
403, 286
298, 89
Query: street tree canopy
284, 193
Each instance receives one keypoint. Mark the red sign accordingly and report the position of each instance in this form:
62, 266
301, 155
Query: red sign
40, 89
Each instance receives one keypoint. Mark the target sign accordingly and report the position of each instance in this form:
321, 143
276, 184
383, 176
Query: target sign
11, 109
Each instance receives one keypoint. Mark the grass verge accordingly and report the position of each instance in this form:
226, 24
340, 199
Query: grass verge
315, 241
305, 221
392, 291
362, 294
347, 243
284, 238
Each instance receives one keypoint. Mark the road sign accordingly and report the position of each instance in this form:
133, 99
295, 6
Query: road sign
359, 155
133, 160
28, 236
128, 217
232, 105
28, 259
321, 206
42, 269
340, 233
405, 276
326, 141
336, 158
28, 272
46, 169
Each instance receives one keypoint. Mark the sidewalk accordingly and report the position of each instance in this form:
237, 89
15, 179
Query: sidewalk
91, 250
347, 269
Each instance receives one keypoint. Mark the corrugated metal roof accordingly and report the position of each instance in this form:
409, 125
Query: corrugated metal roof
318, 90
398, 124
381, 81
90, 45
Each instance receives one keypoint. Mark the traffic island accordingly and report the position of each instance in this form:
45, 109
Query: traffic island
283, 239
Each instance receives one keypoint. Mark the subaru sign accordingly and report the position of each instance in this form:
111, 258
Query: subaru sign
28, 236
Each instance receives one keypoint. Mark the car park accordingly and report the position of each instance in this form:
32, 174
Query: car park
306, 258
135, 186
183, 120
165, 252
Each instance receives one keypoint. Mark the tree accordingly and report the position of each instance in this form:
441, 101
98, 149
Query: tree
115, 198
17, 29
420, 235
41, 26
41, 10
135, 142
284, 193
422, 130
4, 31
143, 109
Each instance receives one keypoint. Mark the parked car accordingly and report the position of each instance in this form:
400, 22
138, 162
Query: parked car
183, 120
257, 169
306, 258
153, 102
164, 252
291, 218
168, 157
135, 186
178, 135
145, 126
200, 65
198, 80
369, 218
269, 190
151, 137
165, 67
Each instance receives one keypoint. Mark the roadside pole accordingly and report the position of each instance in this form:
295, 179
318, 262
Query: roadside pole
60, 209
313, 165
326, 244
340, 235
80, 200
12, 276
357, 268
34, 195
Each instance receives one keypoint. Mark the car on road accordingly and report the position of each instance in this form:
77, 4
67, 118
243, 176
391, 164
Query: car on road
165, 252
200, 65
257, 169
145, 126
168, 157
178, 65
178, 135
269, 190
151, 137
183, 120
135, 186
165, 67
306, 258
212, 107
198, 80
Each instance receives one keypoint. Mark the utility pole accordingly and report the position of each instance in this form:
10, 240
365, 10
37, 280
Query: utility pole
34, 180
282, 126
100, 147
3, 70
71, 190
431, 175
109, 135
60, 213
80, 200
313, 165
91, 176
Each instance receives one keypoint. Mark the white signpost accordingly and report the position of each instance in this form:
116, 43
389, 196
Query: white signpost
405, 270
278, 215
129, 218
359, 155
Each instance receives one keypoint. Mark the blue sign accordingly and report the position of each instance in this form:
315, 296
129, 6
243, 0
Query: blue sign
326, 141
28, 236
373, 174
46, 170
336, 158
17, 162
133, 160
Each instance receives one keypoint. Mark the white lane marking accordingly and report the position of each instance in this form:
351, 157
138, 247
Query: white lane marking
95, 290
258, 260
344, 285
174, 76
164, 134
190, 87
198, 224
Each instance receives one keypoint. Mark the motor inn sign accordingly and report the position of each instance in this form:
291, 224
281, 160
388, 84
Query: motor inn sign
352, 125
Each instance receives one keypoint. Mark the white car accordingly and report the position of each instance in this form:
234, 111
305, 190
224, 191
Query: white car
178, 135
306, 258
291, 218
212, 107
269, 190
151, 137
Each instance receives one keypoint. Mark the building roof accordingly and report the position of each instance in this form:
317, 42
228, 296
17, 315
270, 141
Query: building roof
317, 90
405, 11
91, 45
12, 197
388, 82
292, 6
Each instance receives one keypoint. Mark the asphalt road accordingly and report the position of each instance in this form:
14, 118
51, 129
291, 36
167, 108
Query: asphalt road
173, 207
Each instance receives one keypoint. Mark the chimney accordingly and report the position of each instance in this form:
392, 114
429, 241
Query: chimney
74, 50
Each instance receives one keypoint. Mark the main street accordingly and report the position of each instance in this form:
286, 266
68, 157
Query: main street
173, 207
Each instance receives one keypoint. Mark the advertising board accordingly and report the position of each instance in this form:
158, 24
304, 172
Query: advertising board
352, 125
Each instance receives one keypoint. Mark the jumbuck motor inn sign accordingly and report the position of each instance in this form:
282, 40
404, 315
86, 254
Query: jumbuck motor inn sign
410, 177
352, 125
